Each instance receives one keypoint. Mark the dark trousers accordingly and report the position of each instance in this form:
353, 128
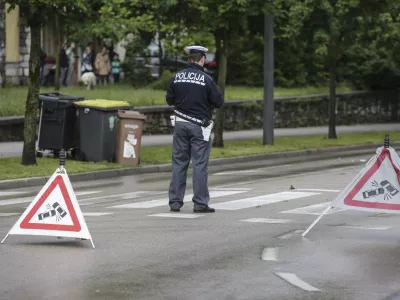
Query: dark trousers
64, 76
103, 79
116, 78
188, 144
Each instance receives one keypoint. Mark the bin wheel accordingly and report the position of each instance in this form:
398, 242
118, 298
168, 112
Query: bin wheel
78, 155
56, 154
111, 158
39, 154
75, 154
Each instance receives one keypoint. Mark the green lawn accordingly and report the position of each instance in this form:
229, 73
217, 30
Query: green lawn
11, 167
12, 100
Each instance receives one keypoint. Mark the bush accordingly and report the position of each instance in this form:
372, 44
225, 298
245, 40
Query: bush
162, 82
371, 67
136, 64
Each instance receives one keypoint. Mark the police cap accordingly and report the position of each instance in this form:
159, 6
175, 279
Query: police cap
196, 49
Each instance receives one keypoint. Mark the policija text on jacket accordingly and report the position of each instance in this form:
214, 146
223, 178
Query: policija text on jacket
194, 93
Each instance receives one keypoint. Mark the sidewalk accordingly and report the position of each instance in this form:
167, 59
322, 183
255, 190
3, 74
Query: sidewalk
13, 149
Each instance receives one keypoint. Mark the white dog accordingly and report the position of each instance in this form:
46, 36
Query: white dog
89, 79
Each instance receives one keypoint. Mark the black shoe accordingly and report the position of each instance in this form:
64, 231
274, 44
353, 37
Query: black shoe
175, 209
205, 209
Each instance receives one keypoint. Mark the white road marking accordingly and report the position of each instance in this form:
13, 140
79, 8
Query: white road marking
268, 221
289, 234
260, 200
365, 227
87, 193
249, 182
11, 193
318, 190
315, 209
84, 204
95, 214
230, 189
114, 197
341, 169
86, 214
176, 215
270, 254
296, 281
30, 199
382, 215
257, 170
8, 214
162, 202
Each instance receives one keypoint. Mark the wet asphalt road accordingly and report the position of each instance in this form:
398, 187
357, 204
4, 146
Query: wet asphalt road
236, 253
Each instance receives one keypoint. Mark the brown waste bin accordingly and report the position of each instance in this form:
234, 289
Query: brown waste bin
129, 137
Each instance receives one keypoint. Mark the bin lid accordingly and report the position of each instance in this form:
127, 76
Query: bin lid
58, 97
103, 104
130, 114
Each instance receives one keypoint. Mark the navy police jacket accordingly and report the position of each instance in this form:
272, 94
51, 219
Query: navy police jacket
194, 93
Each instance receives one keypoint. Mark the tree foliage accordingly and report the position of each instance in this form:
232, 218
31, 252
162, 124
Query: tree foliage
334, 27
34, 14
316, 41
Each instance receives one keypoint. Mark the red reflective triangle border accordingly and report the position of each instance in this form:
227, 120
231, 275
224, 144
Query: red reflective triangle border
76, 227
349, 199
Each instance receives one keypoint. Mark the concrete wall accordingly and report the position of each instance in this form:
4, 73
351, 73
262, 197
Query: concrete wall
290, 112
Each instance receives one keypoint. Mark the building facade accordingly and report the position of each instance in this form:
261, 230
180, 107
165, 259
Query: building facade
17, 46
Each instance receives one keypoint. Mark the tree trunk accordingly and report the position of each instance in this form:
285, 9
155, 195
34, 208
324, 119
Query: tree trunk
221, 42
332, 87
32, 101
160, 50
3, 44
57, 51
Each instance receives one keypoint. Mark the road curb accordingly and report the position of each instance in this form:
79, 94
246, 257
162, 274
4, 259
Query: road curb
225, 163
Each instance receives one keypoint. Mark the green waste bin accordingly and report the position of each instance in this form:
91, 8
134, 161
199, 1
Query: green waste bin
98, 126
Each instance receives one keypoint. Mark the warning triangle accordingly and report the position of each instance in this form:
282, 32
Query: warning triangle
49, 213
54, 212
376, 187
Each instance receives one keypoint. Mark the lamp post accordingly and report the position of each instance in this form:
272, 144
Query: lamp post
268, 113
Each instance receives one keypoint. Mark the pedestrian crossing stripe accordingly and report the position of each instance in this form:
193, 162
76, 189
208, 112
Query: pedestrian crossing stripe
262, 200
175, 215
315, 209
267, 221
8, 214
29, 199
188, 198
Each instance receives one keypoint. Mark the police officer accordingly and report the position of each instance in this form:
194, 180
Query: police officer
194, 94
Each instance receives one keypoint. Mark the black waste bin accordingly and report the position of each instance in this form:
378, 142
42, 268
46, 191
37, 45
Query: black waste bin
58, 123
98, 126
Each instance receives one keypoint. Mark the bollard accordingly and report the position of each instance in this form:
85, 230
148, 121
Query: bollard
386, 142
63, 156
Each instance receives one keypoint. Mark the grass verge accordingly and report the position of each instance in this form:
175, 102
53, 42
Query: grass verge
12, 100
11, 167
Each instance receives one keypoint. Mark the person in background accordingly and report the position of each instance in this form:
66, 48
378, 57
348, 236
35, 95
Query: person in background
43, 56
64, 65
70, 53
103, 66
87, 65
116, 68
